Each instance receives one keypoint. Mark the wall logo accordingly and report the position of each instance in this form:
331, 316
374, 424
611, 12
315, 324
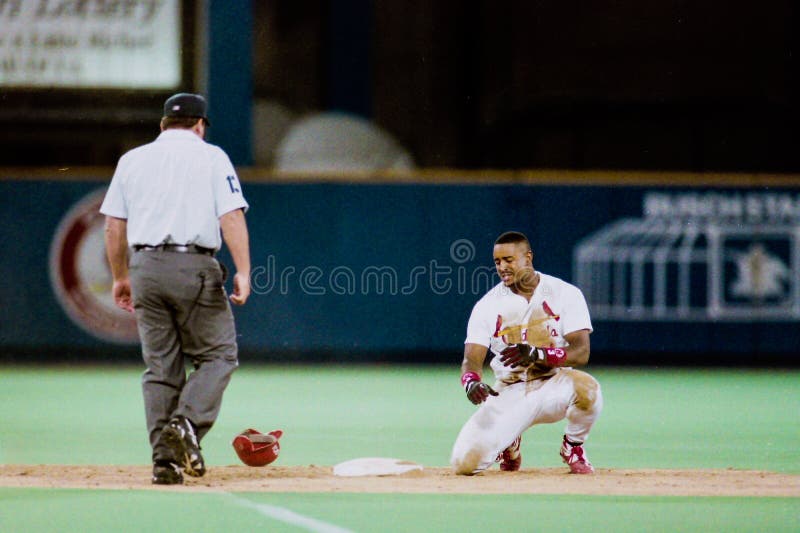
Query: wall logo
696, 256
759, 274
80, 275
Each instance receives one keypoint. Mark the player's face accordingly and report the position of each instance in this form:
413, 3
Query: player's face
513, 262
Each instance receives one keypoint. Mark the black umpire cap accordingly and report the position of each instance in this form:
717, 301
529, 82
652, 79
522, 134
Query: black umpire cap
186, 105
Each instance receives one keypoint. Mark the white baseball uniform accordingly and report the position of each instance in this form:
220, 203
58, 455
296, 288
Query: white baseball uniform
527, 395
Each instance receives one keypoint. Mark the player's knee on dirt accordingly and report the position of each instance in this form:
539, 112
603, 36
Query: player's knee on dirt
467, 464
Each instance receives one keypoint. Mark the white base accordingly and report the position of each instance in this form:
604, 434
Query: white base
374, 466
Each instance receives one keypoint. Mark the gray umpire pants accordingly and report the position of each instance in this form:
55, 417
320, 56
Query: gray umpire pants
183, 315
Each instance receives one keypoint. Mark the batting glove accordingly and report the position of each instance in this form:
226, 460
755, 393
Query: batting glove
524, 355
476, 390
516, 355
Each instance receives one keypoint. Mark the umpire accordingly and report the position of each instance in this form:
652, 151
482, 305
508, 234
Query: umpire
164, 209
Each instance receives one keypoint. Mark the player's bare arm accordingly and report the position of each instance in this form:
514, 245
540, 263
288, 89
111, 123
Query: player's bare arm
471, 372
116, 241
474, 358
578, 349
234, 231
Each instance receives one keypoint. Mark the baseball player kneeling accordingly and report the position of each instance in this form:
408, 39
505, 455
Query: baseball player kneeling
537, 327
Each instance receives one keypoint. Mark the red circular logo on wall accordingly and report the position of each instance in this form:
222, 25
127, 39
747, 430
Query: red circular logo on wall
81, 277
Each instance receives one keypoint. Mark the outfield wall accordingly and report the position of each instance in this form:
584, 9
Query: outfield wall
676, 268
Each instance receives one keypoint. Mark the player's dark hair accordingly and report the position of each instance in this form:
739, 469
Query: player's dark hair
513, 237
184, 123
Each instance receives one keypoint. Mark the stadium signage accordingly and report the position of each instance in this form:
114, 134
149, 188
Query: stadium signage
750, 206
696, 256
80, 275
90, 44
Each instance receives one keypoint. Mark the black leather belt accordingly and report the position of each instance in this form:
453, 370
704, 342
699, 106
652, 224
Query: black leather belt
180, 248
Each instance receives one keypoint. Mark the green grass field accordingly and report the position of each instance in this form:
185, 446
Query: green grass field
653, 418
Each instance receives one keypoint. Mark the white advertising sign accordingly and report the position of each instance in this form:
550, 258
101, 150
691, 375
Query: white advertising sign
115, 44
701, 256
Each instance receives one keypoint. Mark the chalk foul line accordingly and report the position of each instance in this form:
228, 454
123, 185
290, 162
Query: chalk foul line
287, 516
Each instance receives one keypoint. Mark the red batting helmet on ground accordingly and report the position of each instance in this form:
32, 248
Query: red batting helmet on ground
257, 449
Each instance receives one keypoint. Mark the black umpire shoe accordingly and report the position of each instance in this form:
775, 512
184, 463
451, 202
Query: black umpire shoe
167, 474
180, 437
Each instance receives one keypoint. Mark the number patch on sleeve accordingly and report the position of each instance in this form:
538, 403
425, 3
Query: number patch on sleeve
232, 183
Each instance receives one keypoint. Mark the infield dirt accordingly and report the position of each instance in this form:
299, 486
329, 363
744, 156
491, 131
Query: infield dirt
430, 480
